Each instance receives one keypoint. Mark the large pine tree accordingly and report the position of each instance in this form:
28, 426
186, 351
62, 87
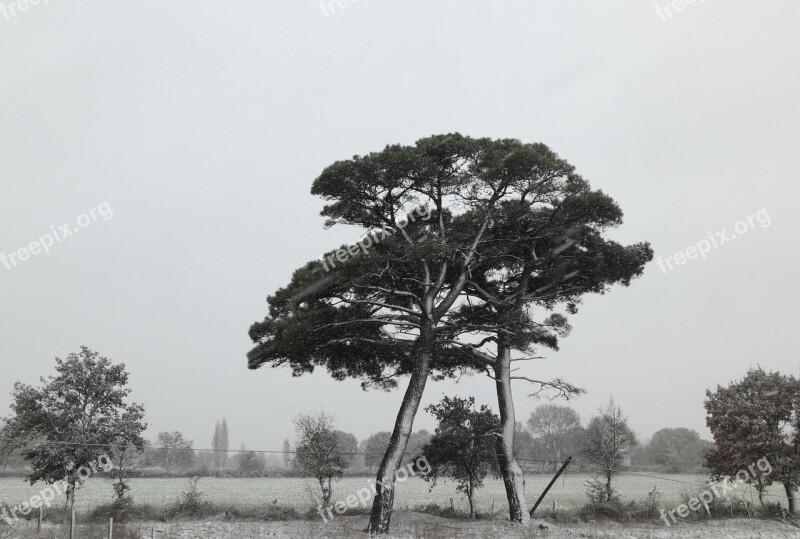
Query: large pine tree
388, 307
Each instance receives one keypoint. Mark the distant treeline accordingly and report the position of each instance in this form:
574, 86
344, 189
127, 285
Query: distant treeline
538, 444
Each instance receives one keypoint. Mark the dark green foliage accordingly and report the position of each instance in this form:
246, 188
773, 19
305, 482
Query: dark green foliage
493, 204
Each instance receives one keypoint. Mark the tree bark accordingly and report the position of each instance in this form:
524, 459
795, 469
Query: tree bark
790, 491
471, 497
510, 470
69, 503
384, 487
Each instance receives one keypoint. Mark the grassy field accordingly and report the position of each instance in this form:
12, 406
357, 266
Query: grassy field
300, 494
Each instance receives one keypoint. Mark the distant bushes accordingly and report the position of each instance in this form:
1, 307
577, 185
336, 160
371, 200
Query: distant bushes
191, 504
137, 513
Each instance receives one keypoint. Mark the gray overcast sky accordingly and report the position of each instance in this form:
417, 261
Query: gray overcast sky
202, 125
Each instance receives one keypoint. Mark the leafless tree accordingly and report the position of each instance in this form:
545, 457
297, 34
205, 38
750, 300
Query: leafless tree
318, 452
553, 424
607, 443
125, 460
174, 451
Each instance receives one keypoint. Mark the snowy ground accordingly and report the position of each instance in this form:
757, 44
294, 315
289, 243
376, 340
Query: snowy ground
416, 525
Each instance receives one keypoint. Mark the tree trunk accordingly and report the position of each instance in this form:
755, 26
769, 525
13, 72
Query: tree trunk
471, 498
384, 487
608, 485
70, 501
790, 491
326, 492
510, 470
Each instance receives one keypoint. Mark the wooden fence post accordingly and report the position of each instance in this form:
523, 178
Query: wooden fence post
39, 524
560, 471
111, 528
72, 525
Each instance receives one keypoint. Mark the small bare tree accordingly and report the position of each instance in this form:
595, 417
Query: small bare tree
318, 451
606, 445
125, 458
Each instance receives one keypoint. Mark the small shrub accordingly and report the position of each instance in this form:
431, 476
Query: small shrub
191, 502
121, 510
612, 509
718, 507
602, 502
599, 494
651, 508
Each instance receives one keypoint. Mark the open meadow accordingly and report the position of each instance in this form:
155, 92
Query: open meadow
299, 494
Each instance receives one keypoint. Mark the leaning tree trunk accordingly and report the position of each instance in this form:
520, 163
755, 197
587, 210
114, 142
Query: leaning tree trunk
384, 486
790, 491
510, 470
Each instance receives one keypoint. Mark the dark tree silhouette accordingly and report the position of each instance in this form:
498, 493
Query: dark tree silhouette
385, 308
544, 251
